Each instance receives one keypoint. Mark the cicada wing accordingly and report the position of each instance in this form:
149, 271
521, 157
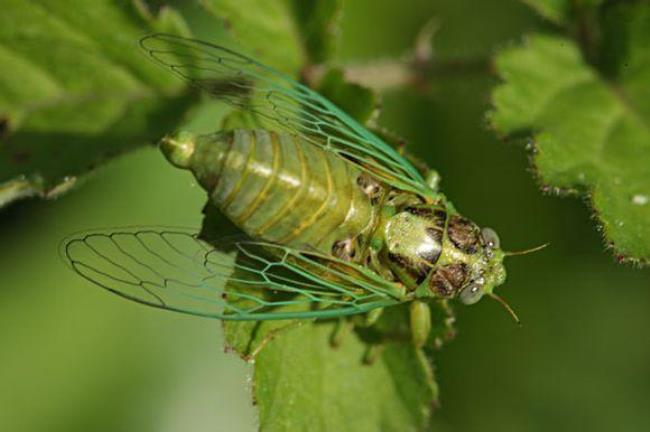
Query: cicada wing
282, 104
239, 279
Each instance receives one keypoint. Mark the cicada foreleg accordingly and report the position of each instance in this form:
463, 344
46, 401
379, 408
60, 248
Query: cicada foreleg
420, 320
375, 264
432, 323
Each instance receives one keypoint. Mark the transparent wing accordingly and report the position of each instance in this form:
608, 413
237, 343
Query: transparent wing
281, 103
171, 268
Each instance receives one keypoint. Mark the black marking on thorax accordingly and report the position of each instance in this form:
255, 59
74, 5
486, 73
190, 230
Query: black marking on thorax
448, 280
464, 234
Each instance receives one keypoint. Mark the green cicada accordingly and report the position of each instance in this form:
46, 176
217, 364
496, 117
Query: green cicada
334, 221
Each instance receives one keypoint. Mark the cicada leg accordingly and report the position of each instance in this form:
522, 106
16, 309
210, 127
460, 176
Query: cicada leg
367, 319
431, 323
420, 325
432, 179
372, 353
443, 316
345, 325
375, 264
420, 316
269, 336
340, 332
372, 350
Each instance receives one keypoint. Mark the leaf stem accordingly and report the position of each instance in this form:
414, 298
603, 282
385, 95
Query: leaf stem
388, 73
417, 68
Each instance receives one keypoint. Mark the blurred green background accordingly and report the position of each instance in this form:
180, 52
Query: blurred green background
74, 358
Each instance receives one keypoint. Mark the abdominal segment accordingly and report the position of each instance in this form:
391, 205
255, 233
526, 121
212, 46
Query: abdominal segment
278, 188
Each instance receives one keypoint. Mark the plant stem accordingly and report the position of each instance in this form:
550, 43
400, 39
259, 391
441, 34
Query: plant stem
386, 74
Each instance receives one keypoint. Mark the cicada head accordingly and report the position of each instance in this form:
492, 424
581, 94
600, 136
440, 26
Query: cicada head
486, 268
442, 254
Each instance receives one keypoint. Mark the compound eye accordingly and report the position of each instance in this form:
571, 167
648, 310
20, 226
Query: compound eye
471, 294
490, 238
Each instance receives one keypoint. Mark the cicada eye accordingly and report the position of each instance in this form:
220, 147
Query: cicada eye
471, 294
490, 238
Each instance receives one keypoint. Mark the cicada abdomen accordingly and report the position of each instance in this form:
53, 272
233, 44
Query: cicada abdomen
275, 187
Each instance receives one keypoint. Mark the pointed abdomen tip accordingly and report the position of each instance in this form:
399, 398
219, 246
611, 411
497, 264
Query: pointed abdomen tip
178, 148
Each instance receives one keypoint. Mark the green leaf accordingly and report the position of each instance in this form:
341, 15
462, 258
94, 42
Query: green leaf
358, 101
302, 382
76, 90
553, 10
254, 24
560, 11
591, 134
318, 22
332, 389
302, 31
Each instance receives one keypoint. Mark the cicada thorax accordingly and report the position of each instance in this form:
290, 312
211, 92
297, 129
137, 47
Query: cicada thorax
278, 188
434, 247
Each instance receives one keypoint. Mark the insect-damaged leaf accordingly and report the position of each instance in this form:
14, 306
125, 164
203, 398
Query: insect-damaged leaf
591, 125
76, 90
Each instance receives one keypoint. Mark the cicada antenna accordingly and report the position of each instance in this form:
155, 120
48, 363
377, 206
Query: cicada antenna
526, 251
507, 307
